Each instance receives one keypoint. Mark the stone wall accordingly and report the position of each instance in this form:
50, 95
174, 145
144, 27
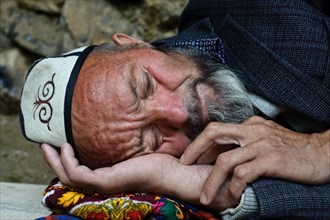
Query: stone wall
36, 28
31, 29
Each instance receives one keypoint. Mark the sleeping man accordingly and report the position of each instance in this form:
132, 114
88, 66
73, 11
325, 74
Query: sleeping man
130, 110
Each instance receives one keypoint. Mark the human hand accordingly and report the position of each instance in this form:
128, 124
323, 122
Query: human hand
153, 173
104, 180
267, 149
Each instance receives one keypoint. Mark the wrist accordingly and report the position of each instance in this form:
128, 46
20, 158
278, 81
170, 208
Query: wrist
186, 182
321, 141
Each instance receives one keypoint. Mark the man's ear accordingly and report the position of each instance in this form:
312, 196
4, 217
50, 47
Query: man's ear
120, 39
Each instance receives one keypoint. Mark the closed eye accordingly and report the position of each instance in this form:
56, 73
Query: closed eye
149, 83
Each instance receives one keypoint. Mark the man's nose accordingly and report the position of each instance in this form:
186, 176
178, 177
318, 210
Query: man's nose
171, 110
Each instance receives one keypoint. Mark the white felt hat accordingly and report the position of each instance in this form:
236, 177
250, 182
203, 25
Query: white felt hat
45, 111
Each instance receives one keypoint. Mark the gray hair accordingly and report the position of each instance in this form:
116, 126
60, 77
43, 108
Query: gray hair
233, 102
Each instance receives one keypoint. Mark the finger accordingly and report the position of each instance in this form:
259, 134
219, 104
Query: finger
68, 157
267, 162
52, 157
224, 165
213, 152
43, 155
223, 200
243, 175
194, 150
257, 120
77, 174
215, 132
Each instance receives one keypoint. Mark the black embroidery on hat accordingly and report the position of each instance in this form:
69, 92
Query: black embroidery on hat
42, 106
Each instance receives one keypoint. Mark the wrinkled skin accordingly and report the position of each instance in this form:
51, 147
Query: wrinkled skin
135, 102
266, 149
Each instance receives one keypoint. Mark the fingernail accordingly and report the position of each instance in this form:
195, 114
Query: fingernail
203, 198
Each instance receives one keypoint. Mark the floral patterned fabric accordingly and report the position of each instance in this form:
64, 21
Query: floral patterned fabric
63, 200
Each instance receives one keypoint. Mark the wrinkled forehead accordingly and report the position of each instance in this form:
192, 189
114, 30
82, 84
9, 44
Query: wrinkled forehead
105, 78
103, 92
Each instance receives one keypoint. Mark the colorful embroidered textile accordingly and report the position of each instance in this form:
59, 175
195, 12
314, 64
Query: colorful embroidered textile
58, 217
64, 200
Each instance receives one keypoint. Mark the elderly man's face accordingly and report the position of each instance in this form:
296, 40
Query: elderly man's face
140, 100
136, 102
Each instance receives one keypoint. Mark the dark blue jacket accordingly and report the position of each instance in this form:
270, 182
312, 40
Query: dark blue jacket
281, 51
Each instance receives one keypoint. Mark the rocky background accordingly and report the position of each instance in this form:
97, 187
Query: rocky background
31, 29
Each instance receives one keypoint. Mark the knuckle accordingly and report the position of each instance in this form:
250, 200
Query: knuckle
211, 128
260, 124
193, 148
265, 142
261, 128
213, 125
241, 173
269, 142
223, 159
254, 119
190, 149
